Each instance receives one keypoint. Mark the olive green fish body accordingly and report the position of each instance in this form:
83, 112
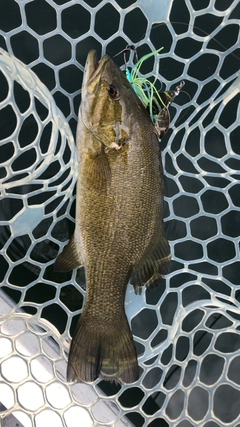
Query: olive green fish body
119, 229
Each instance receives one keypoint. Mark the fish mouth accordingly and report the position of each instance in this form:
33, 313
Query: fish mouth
93, 68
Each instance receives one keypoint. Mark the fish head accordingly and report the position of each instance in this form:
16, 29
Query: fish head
109, 106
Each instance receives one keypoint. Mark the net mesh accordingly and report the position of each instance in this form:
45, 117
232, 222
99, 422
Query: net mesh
187, 332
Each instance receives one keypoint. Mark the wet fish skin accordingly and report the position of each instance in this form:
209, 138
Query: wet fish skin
119, 231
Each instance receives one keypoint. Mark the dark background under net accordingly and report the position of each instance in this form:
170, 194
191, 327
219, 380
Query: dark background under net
186, 331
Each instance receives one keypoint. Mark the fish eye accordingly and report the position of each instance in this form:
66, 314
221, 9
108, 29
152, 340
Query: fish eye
113, 92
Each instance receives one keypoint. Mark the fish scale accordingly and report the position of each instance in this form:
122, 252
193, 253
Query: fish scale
119, 234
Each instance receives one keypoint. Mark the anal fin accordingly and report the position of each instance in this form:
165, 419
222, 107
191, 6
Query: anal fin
69, 258
154, 264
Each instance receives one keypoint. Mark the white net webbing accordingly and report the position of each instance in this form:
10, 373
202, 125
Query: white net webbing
187, 332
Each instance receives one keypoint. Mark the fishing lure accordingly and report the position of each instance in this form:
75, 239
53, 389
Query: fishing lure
143, 87
162, 119
156, 103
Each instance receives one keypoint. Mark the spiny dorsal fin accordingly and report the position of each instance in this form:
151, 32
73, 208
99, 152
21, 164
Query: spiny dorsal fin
69, 258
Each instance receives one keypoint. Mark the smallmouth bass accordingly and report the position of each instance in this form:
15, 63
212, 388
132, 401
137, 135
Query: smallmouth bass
119, 234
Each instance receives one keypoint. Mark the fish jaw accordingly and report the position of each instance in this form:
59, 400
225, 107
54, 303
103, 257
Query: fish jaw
92, 71
109, 120
90, 66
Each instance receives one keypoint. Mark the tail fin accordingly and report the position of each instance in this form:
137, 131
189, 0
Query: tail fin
105, 351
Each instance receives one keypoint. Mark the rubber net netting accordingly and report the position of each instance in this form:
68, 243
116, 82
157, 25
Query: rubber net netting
187, 332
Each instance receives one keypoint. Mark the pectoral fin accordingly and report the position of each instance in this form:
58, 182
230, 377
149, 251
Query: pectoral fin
69, 258
97, 173
154, 264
